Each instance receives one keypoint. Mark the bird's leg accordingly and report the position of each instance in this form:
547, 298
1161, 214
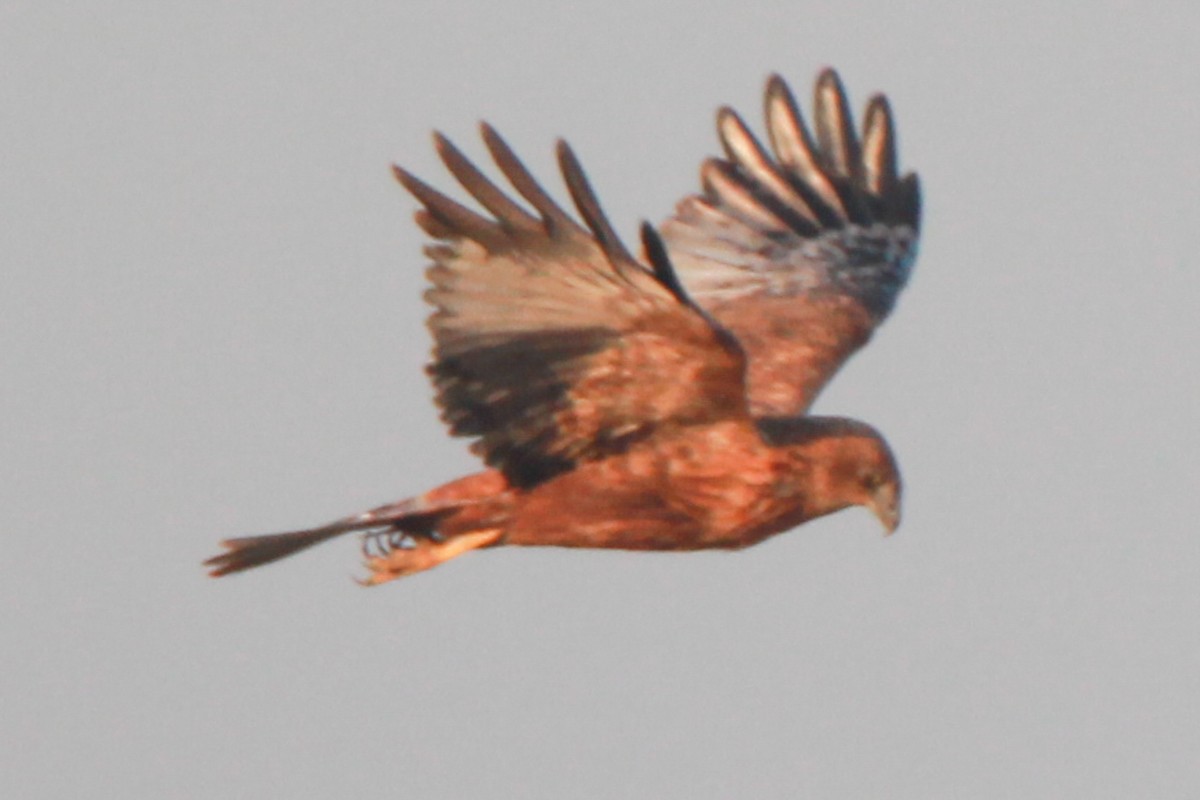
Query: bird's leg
392, 554
381, 543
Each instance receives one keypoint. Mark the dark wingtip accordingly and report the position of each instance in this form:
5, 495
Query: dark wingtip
777, 93
555, 219
879, 99
488, 132
723, 117
834, 120
588, 205
567, 160
444, 147
660, 262
910, 200
414, 185
400, 174
878, 147
828, 78
452, 217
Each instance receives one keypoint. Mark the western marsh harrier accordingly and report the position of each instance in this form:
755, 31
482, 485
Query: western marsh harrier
655, 402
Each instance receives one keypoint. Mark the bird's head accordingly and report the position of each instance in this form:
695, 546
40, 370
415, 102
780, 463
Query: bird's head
863, 472
881, 493
848, 463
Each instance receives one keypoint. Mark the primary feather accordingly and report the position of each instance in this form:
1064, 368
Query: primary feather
799, 252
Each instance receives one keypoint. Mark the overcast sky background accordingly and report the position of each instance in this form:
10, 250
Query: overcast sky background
211, 325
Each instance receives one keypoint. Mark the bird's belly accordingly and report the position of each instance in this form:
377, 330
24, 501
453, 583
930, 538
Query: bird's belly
703, 500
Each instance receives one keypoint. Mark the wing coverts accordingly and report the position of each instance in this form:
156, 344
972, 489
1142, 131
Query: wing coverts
552, 344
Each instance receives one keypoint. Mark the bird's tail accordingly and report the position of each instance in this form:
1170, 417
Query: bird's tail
400, 538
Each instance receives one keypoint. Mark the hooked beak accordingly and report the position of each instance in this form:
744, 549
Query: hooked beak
885, 504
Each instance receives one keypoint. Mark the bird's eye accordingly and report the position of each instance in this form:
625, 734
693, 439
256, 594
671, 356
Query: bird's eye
871, 481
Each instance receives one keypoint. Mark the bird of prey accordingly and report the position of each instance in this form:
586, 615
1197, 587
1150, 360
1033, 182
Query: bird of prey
652, 402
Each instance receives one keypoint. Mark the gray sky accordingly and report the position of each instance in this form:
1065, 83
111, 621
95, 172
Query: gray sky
211, 325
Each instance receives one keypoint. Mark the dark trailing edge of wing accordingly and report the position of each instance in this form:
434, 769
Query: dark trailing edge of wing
530, 359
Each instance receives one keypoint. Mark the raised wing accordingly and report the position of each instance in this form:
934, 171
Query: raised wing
799, 252
552, 344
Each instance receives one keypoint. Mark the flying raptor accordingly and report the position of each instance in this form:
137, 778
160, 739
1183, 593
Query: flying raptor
655, 401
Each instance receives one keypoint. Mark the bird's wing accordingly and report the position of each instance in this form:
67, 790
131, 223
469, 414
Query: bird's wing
800, 252
552, 344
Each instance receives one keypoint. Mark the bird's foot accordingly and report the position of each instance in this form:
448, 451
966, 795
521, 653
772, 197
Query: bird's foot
393, 554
